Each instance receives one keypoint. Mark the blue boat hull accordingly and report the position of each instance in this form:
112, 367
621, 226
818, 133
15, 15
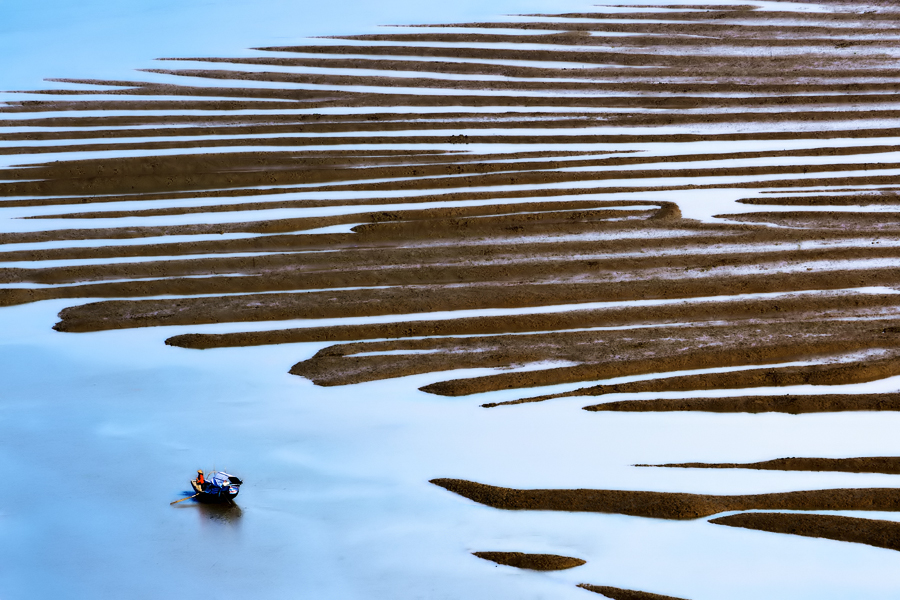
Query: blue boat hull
213, 494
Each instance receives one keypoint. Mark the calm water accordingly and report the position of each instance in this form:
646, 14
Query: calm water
100, 432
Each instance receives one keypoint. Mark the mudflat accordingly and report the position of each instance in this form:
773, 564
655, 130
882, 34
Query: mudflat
691, 209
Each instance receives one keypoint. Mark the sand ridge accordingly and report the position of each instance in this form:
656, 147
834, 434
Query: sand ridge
622, 594
670, 505
787, 403
821, 374
868, 464
534, 562
872, 532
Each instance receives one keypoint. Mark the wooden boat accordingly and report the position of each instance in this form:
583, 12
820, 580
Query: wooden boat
218, 486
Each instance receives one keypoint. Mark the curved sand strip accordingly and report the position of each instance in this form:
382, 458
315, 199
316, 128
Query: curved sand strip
534, 562
622, 594
827, 374
878, 533
670, 505
789, 404
870, 464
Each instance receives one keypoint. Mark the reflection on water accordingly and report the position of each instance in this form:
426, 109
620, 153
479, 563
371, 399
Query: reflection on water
217, 514
225, 514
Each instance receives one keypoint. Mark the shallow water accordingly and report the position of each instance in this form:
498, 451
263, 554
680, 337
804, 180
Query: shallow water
99, 432
336, 501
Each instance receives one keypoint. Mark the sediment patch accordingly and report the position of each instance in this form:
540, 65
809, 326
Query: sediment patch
869, 221
872, 532
670, 505
534, 562
789, 307
826, 374
869, 464
870, 199
622, 594
788, 403
419, 299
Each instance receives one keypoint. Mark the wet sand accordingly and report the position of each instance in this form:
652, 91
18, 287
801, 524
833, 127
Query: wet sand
789, 404
534, 562
784, 308
881, 534
670, 505
620, 594
857, 372
869, 464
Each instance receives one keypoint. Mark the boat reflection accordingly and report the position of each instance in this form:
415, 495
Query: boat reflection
222, 514
228, 514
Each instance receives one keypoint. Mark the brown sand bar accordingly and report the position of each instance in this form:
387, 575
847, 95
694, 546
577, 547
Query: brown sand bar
246, 169
76, 106
659, 235
495, 243
409, 123
415, 299
564, 177
879, 110
632, 94
449, 219
872, 221
693, 35
217, 173
621, 594
693, 22
863, 77
581, 39
829, 374
878, 533
761, 80
870, 199
657, 58
798, 307
461, 140
373, 119
595, 355
214, 208
535, 562
311, 166
869, 464
312, 202
262, 100
751, 12
789, 404
670, 505
468, 264
855, 91
472, 181
394, 177
154, 175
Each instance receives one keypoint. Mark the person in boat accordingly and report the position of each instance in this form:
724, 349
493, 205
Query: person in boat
200, 479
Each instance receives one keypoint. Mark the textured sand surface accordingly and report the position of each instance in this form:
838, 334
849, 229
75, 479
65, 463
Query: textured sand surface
535, 562
790, 404
620, 594
669, 505
883, 534
868, 464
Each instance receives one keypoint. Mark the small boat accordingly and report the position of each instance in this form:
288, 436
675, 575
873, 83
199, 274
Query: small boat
218, 486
